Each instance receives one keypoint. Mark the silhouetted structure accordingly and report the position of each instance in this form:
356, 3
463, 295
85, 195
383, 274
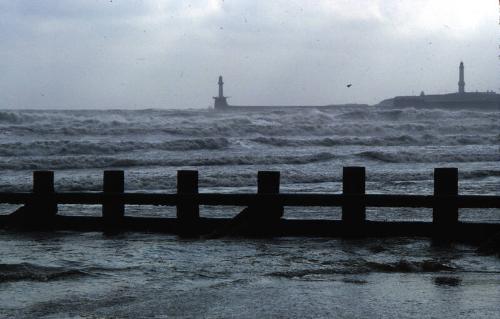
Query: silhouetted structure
263, 215
461, 99
461, 82
220, 104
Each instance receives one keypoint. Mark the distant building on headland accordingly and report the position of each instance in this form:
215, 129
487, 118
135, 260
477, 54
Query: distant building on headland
220, 103
461, 99
221, 100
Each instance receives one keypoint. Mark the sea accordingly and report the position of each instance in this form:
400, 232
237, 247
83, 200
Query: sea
143, 275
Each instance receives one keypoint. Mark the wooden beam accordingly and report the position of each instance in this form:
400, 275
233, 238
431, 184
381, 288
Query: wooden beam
231, 199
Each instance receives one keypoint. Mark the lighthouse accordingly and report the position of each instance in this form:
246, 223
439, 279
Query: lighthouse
221, 87
220, 101
461, 83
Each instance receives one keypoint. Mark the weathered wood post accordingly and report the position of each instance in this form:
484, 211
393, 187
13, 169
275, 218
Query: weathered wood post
445, 214
188, 210
40, 210
268, 182
353, 183
113, 209
44, 205
261, 217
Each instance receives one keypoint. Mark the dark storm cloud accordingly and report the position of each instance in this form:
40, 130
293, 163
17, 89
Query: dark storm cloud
116, 53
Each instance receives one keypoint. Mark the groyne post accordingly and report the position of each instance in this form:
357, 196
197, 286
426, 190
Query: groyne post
261, 216
268, 182
188, 210
44, 205
445, 213
113, 209
353, 183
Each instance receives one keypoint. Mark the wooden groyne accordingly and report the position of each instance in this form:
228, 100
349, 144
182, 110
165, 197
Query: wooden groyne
262, 214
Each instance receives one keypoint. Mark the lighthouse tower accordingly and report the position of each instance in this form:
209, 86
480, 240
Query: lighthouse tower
461, 83
220, 101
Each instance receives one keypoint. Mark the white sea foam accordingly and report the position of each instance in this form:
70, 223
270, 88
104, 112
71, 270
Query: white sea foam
308, 146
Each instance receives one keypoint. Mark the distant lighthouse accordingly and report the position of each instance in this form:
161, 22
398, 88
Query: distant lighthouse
461, 83
221, 87
220, 101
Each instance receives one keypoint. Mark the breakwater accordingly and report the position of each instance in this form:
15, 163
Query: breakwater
263, 213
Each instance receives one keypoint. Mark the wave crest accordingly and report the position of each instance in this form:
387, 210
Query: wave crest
363, 266
65, 147
32, 272
411, 157
86, 162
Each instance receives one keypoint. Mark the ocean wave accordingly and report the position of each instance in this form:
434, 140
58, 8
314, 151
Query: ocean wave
225, 126
86, 162
398, 140
363, 266
65, 147
407, 114
482, 173
413, 157
32, 272
10, 117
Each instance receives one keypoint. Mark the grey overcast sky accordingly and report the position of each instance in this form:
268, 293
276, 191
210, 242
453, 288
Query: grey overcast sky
169, 53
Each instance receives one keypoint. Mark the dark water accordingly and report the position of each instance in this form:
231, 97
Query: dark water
74, 275
143, 275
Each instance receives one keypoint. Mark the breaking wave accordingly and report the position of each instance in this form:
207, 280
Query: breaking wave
412, 114
480, 173
32, 272
85, 162
342, 122
399, 140
414, 157
362, 266
65, 147
151, 142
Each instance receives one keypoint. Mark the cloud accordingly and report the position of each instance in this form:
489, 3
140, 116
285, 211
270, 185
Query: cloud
150, 53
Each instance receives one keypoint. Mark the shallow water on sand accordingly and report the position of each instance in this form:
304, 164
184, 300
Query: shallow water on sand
66, 274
